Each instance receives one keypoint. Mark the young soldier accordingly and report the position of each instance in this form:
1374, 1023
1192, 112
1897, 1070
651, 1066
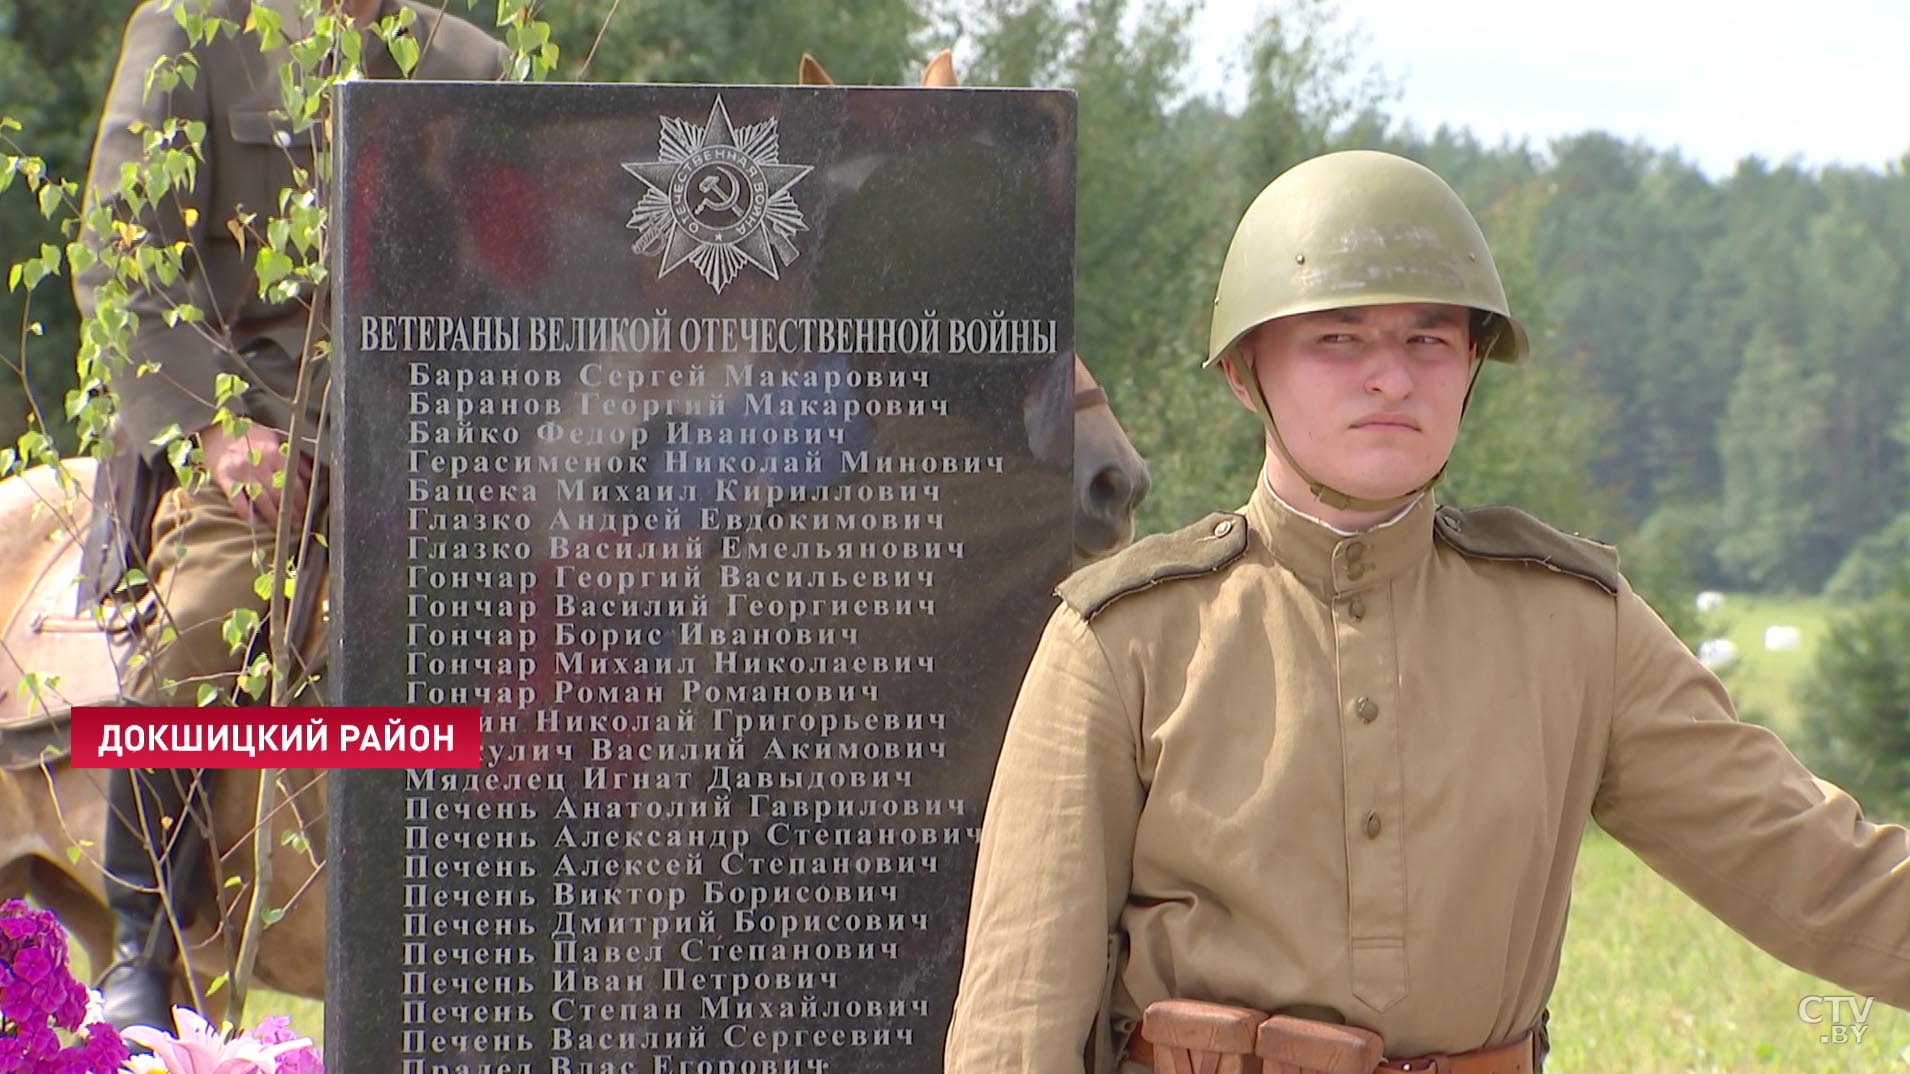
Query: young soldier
201, 542
1331, 757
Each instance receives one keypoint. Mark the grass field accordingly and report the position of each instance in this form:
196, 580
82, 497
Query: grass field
1761, 680
1652, 984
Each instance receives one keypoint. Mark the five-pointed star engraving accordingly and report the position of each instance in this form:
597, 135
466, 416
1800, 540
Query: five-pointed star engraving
740, 168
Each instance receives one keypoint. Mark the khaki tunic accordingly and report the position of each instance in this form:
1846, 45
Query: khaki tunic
1301, 781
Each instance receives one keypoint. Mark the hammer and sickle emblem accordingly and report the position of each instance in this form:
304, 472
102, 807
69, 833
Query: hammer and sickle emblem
721, 191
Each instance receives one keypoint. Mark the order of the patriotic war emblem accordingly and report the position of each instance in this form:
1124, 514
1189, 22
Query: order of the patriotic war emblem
718, 198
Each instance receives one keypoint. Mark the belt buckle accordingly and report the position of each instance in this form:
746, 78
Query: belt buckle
1425, 1064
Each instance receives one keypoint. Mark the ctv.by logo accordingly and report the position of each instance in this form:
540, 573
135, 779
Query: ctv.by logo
1843, 1018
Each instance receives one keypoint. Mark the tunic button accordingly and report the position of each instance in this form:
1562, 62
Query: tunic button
1224, 528
1366, 709
1357, 608
1372, 825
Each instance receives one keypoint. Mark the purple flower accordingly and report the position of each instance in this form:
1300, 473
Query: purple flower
32, 964
39, 998
277, 1029
13, 1055
39, 1040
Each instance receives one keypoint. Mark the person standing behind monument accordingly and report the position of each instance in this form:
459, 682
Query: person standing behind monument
1330, 758
203, 547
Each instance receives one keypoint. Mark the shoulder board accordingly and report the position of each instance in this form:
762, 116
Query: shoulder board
1507, 533
1202, 548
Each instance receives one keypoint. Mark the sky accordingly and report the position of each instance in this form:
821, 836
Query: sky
1825, 82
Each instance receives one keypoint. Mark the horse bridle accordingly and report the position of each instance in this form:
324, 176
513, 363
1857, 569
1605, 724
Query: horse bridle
1093, 396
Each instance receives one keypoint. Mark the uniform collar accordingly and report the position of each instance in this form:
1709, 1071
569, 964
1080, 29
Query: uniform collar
1331, 561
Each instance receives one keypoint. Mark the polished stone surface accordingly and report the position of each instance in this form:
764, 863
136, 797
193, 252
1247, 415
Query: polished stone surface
715, 442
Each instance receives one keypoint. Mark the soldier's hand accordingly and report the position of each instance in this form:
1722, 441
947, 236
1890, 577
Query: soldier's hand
244, 468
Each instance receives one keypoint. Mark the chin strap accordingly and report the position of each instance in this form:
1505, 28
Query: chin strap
1327, 494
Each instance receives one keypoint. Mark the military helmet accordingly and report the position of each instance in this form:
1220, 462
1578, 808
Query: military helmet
1359, 228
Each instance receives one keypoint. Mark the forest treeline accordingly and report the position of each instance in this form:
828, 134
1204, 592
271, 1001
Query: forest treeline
1720, 378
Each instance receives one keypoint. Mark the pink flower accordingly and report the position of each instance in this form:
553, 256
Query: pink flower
277, 1029
198, 1048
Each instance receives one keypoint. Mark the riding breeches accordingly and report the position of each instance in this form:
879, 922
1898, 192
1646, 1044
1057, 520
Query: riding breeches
205, 563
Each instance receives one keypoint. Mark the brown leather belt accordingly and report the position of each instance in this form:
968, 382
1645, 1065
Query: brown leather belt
1513, 1058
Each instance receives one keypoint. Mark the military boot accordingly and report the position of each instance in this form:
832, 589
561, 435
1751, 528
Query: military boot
137, 987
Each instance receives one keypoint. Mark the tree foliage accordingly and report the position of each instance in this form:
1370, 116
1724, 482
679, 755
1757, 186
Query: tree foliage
1718, 364
1856, 703
55, 61
863, 42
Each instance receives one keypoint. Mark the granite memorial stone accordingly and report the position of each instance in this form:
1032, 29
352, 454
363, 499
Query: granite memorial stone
703, 437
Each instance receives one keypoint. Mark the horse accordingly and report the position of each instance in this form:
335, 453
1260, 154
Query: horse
52, 815
1110, 477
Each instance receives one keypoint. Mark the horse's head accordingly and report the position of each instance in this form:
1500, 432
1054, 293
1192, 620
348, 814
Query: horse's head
1110, 477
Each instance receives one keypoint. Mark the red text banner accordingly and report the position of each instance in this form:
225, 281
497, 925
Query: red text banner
267, 737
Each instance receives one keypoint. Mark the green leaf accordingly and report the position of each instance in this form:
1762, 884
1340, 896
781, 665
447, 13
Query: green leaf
178, 453
272, 266
267, 24
404, 50
49, 200
217, 983
74, 854
351, 47
262, 585
241, 624
227, 386
272, 915
232, 882
208, 694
